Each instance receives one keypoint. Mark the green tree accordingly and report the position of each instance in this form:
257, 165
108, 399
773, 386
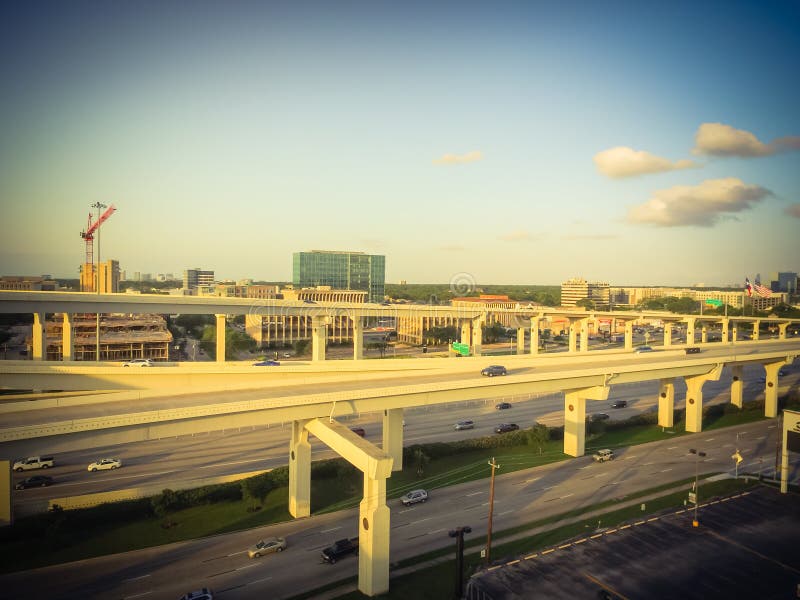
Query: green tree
256, 488
538, 436
586, 303
422, 459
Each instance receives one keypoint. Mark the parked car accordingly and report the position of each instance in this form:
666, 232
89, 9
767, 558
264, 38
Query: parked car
138, 362
414, 496
493, 370
692, 350
619, 404
34, 481
599, 417
464, 425
502, 406
603, 455
267, 363
267, 546
201, 594
103, 464
642, 349
358, 431
506, 427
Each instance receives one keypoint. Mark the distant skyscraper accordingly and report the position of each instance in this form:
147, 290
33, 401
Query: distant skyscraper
577, 289
341, 271
192, 278
783, 282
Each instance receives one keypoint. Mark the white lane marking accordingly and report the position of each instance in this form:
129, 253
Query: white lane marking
250, 566
531, 480
763, 437
329, 530
260, 580
567, 496
136, 578
727, 446
405, 510
549, 488
664, 470
137, 595
672, 448
771, 426
235, 462
505, 512
648, 464
475, 494
586, 467
437, 531
421, 521
710, 439
236, 553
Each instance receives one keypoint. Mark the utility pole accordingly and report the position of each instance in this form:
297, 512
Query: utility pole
494, 466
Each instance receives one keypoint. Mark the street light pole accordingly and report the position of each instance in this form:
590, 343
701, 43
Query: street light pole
697, 454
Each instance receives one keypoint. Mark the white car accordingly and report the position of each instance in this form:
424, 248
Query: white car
414, 496
139, 362
103, 464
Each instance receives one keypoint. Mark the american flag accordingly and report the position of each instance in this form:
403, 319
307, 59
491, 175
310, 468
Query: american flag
762, 291
747, 287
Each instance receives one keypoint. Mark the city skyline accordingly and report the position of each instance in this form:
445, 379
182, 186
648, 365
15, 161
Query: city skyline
517, 143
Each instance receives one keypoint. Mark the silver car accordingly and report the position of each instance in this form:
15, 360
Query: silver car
102, 464
414, 496
267, 547
468, 424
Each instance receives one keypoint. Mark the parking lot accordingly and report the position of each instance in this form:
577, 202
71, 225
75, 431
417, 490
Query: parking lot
745, 547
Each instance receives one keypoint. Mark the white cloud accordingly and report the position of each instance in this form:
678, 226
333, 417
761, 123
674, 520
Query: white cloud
793, 210
622, 162
718, 139
590, 236
458, 159
701, 205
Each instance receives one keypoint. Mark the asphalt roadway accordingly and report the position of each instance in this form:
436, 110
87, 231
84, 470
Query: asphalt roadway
744, 547
220, 562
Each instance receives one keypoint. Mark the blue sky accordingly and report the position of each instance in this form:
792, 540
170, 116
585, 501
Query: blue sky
519, 142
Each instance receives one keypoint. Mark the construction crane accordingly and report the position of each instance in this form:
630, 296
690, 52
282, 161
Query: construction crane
88, 234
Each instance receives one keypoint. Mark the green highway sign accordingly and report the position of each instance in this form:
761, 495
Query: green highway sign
714, 302
462, 349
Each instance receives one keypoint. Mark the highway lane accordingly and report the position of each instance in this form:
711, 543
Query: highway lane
182, 461
449, 370
521, 497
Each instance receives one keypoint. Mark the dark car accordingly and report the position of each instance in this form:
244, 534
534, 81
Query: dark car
502, 406
619, 404
358, 431
505, 427
267, 363
599, 417
692, 350
35, 481
493, 370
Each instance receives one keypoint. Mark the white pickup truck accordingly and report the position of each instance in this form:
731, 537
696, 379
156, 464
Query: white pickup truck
33, 462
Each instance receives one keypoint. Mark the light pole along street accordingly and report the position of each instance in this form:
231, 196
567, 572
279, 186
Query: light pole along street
697, 455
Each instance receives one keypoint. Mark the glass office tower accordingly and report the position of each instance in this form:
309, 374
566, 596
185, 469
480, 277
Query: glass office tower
342, 271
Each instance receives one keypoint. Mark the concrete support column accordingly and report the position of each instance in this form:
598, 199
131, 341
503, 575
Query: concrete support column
535, 335
771, 388
667, 336
393, 436
319, 337
704, 334
466, 332
477, 336
575, 417
584, 325
67, 347
755, 330
737, 385
299, 471
782, 327
6, 510
38, 339
628, 335
735, 336
573, 335
725, 323
694, 398
690, 331
520, 340
373, 536
220, 338
358, 338
666, 402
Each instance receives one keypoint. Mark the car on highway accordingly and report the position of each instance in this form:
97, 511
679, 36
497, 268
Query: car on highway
642, 349
619, 404
599, 417
267, 363
603, 455
413, 497
104, 464
138, 362
464, 425
692, 350
34, 481
506, 427
287, 355
493, 370
502, 406
201, 594
267, 546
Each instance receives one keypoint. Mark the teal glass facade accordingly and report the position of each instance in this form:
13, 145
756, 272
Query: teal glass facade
342, 271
